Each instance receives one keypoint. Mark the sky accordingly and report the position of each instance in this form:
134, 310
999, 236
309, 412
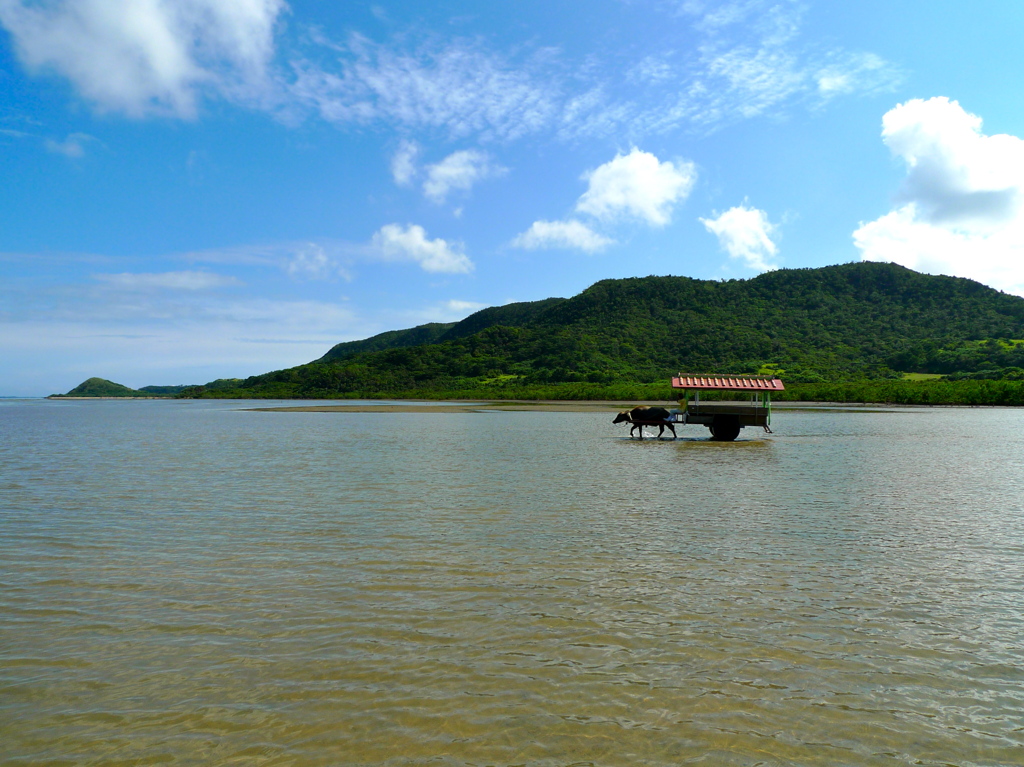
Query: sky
201, 189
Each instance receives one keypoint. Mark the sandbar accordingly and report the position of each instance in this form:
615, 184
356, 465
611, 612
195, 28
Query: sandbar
523, 406
508, 406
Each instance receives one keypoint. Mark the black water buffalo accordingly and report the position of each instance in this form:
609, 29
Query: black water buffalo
645, 415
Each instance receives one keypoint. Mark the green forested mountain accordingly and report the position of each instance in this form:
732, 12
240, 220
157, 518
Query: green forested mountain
161, 391
858, 321
392, 339
511, 315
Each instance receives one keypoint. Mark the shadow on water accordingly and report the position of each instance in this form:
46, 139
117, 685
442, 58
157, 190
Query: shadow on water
701, 442
706, 443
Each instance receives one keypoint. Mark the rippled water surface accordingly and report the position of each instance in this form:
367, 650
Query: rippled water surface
189, 583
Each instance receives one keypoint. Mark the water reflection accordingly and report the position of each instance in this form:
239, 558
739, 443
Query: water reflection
185, 582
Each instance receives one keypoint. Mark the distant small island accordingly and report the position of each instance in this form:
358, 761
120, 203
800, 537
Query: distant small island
858, 332
102, 388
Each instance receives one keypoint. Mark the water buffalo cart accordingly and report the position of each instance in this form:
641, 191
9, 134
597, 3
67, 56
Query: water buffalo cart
725, 418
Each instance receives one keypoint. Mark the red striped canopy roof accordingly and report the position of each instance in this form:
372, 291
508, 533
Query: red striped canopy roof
728, 383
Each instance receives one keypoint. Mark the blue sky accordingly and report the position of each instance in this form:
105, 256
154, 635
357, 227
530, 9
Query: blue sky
218, 188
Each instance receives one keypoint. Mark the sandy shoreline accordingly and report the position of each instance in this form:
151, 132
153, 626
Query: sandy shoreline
453, 407
524, 406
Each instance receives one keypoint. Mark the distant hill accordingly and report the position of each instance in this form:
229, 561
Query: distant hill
101, 387
516, 315
851, 322
161, 391
392, 339
510, 315
221, 384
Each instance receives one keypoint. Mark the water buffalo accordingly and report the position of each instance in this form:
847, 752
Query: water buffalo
645, 415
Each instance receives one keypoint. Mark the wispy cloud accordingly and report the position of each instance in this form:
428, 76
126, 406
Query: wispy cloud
460, 87
72, 146
315, 262
188, 280
750, 61
199, 337
403, 163
327, 258
142, 57
459, 171
853, 73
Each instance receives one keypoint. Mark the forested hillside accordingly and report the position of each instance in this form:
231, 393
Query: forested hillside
852, 322
100, 387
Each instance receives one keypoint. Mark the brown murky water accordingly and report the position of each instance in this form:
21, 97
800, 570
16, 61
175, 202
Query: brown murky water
186, 583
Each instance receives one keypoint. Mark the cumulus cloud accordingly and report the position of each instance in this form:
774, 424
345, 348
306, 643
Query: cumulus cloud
403, 163
459, 171
395, 243
960, 209
637, 185
562, 234
746, 235
149, 56
187, 280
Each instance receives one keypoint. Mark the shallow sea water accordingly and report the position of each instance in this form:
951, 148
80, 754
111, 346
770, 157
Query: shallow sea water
189, 583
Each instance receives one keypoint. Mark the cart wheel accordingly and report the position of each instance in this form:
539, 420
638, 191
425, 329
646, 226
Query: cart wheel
725, 428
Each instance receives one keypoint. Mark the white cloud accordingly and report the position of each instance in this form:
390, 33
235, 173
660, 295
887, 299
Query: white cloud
328, 258
652, 69
395, 243
460, 87
403, 163
854, 72
167, 280
960, 210
637, 185
72, 146
452, 310
561, 234
313, 261
747, 60
750, 61
459, 170
197, 340
143, 57
746, 235
465, 308
149, 56
747, 82
634, 186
